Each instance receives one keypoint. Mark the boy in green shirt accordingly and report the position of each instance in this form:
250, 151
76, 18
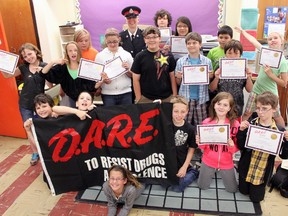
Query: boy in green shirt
225, 34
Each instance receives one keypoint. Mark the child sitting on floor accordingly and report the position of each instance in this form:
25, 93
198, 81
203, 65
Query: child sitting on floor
185, 144
219, 157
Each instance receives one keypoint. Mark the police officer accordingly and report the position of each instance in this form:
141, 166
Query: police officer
132, 39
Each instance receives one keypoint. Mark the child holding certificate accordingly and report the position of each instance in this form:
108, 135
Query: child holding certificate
196, 94
183, 27
233, 49
268, 78
219, 157
185, 144
255, 167
34, 82
65, 72
117, 91
121, 190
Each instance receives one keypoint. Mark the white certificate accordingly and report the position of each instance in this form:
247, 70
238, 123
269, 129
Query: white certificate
114, 68
270, 57
90, 70
178, 45
166, 33
8, 62
264, 139
195, 75
233, 68
213, 134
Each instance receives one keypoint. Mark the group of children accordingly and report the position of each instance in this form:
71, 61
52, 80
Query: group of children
155, 74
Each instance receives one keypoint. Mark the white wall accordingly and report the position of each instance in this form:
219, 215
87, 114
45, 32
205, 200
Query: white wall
233, 12
249, 3
50, 14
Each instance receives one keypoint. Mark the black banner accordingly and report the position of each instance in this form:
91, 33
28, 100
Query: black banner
76, 154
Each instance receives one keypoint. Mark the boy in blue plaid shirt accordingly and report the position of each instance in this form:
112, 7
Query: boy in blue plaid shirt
197, 95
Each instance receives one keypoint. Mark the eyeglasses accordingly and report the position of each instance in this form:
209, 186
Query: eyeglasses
115, 179
151, 37
263, 109
112, 42
182, 26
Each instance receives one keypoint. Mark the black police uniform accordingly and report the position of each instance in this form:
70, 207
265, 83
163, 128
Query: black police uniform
137, 44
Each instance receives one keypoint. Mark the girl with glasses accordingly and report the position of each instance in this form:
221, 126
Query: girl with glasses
121, 190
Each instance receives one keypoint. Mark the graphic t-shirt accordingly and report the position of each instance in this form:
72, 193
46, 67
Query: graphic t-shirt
184, 139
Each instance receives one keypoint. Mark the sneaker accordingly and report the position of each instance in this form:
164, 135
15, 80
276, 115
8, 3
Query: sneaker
34, 159
197, 166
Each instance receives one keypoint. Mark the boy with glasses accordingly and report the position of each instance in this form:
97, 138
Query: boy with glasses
255, 167
117, 91
153, 70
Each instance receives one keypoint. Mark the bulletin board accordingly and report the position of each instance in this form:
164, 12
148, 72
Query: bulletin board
262, 5
275, 20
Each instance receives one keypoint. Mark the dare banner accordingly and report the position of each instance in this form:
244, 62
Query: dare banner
76, 154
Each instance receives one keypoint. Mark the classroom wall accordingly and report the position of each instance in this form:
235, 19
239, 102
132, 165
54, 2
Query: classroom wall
50, 14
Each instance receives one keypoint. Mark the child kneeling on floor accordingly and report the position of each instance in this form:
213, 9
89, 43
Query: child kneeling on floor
255, 167
219, 157
122, 189
185, 144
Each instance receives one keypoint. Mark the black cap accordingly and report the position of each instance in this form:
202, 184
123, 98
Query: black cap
131, 11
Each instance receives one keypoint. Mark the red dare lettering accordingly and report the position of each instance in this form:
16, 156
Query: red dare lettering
120, 126
208, 129
259, 132
228, 62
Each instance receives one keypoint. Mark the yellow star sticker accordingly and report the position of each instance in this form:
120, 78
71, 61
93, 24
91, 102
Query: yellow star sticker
162, 59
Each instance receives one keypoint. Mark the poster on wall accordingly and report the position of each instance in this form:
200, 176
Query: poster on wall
275, 20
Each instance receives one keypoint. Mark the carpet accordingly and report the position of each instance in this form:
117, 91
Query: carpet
215, 200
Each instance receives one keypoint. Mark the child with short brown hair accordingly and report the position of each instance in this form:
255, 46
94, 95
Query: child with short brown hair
184, 137
255, 167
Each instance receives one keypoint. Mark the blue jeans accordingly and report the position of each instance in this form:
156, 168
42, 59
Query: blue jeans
185, 181
26, 114
121, 99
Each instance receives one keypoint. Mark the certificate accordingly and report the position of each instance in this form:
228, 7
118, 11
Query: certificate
178, 45
264, 139
114, 68
90, 70
213, 134
270, 57
233, 68
8, 62
195, 75
166, 33
284, 164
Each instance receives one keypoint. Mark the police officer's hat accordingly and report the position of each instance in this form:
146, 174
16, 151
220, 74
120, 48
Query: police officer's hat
131, 11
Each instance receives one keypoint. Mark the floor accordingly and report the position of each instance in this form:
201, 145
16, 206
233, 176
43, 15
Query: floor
23, 192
